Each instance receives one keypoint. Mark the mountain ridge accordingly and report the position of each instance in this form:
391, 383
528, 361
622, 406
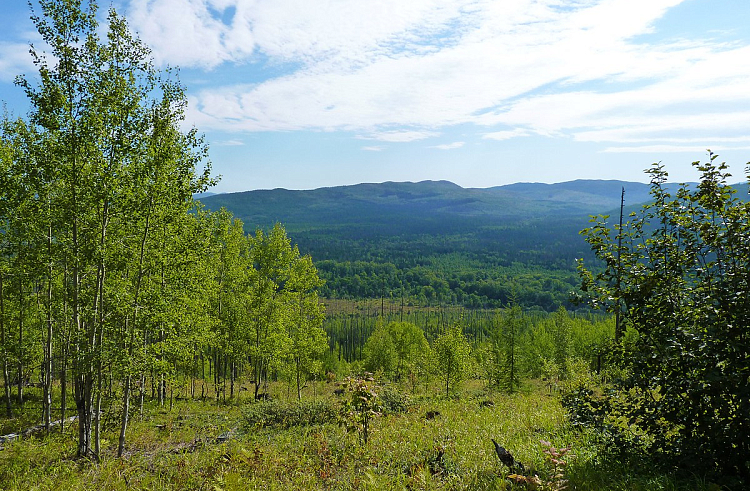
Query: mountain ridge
427, 200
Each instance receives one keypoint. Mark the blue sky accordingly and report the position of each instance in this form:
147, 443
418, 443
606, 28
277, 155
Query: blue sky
302, 94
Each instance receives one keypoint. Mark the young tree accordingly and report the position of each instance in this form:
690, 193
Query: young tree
380, 352
308, 340
561, 327
282, 305
453, 356
411, 348
398, 348
506, 342
682, 282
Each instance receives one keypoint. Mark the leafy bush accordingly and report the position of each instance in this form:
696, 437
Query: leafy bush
278, 414
679, 275
393, 400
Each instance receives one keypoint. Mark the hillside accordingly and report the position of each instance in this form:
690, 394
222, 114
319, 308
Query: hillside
424, 202
436, 242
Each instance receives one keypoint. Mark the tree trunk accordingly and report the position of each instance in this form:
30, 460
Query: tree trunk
130, 330
231, 379
47, 395
203, 377
20, 342
63, 390
162, 388
6, 376
142, 394
83, 391
299, 386
216, 373
124, 416
98, 405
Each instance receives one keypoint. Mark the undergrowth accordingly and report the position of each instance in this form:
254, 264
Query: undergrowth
424, 442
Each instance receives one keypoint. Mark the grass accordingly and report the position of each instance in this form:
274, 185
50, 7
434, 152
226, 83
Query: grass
178, 449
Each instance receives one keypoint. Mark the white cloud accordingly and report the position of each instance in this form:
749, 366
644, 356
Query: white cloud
506, 134
231, 143
540, 66
192, 33
398, 136
186, 32
373, 149
449, 146
15, 60
655, 149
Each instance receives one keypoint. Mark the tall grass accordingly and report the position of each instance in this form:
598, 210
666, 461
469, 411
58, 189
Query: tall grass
179, 449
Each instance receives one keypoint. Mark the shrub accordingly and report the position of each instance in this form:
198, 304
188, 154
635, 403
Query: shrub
279, 414
393, 400
679, 275
361, 405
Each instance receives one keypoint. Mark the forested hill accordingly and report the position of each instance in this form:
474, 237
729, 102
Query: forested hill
424, 202
438, 242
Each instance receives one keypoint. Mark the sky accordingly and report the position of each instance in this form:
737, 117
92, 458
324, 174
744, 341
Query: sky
302, 94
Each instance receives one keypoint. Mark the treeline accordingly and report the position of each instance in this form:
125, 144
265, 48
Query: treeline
533, 260
112, 279
451, 280
536, 344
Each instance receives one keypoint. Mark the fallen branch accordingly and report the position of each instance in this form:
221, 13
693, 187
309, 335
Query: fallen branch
34, 429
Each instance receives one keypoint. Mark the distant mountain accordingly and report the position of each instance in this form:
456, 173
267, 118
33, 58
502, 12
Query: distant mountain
437, 241
589, 194
203, 195
426, 203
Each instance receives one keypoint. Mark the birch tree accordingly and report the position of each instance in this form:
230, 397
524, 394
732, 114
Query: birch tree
110, 122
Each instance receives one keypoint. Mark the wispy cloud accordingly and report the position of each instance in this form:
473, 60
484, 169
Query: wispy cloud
506, 134
397, 136
449, 146
373, 149
692, 149
14, 60
540, 66
231, 143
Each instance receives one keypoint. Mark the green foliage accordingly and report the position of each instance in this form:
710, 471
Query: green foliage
680, 279
506, 340
361, 405
399, 349
111, 277
453, 356
393, 400
281, 414
380, 352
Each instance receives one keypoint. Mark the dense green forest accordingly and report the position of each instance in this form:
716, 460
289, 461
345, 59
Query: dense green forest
451, 318
435, 243
432, 243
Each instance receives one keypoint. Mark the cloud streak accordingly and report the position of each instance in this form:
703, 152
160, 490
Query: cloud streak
449, 146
